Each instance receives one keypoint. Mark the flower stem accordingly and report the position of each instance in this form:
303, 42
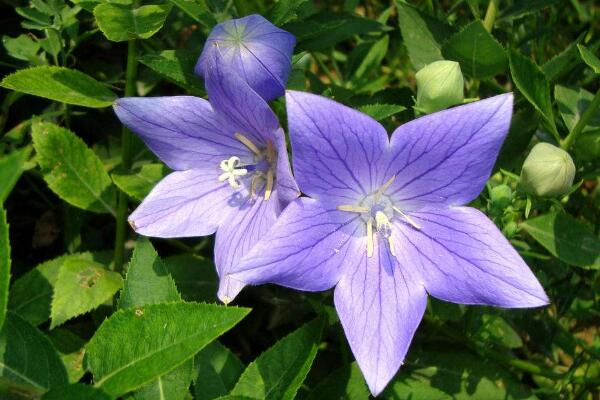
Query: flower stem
126, 158
490, 15
582, 123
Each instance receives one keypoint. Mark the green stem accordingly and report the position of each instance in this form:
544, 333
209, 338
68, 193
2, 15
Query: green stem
126, 158
490, 15
582, 123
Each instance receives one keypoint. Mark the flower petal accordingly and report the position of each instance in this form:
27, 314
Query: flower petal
465, 259
184, 204
237, 235
256, 50
380, 302
284, 180
232, 98
447, 157
306, 249
337, 151
183, 131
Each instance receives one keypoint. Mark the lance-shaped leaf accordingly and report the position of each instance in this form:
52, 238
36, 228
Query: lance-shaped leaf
120, 23
344, 383
195, 277
81, 286
380, 112
589, 58
285, 11
532, 83
571, 105
27, 357
198, 10
171, 386
176, 66
167, 335
11, 167
478, 53
279, 371
139, 184
71, 169
218, 369
566, 238
60, 84
76, 391
4, 265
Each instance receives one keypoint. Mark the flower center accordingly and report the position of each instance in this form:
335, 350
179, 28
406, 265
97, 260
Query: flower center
378, 210
261, 170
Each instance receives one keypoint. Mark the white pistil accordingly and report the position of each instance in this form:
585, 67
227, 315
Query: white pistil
230, 171
407, 218
246, 142
383, 226
269, 188
370, 238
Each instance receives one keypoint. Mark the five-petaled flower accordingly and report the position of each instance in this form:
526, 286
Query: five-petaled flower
255, 49
386, 223
232, 173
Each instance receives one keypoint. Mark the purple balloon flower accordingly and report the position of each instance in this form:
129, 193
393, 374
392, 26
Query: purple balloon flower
255, 49
385, 223
232, 174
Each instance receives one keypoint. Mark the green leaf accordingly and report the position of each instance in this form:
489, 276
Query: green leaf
11, 168
166, 335
31, 295
176, 66
422, 35
23, 47
561, 63
76, 391
345, 383
4, 265
372, 59
198, 10
218, 370
478, 53
572, 103
71, 169
589, 58
81, 286
120, 23
326, 29
440, 373
566, 238
171, 386
195, 277
494, 328
148, 281
138, 184
532, 83
71, 350
60, 84
27, 356
285, 11
380, 112
279, 371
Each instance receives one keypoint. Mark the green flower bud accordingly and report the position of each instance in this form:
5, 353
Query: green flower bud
439, 86
548, 171
501, 196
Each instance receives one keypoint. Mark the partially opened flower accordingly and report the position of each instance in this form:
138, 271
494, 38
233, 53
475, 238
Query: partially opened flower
255, 49
385, 223
232, 174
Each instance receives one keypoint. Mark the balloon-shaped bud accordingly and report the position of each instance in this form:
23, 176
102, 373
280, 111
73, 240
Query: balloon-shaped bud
255, 49
501, 196
439, 86
548, 171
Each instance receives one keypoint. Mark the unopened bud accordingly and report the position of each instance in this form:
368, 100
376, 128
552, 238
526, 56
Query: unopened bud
548, 171
439, 86
501, 196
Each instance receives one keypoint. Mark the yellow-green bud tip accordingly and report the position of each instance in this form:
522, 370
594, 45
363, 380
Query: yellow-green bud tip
548, 171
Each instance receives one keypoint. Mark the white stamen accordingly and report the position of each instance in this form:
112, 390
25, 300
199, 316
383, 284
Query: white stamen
407, 218
382, 189
370, 238
230, 171
248, 143
351, 208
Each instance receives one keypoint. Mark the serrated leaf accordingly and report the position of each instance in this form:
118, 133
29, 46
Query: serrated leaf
120, 23
218, 369
72, 170
60, 84
422, 35
4, 265
345, 383
138, 184
195, 277
198, 10
571, 105
169, 334
478, 53
27, 356
31, 295
76, 391
71, 350
561, 63
176, 66
566, 238
444, 374
380, 112
11, 168
278, 372
285, 11
23, 47
171, 386
148, 281
494, 328
372, 58
81, 286
532, 83
325, 29
589, 58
